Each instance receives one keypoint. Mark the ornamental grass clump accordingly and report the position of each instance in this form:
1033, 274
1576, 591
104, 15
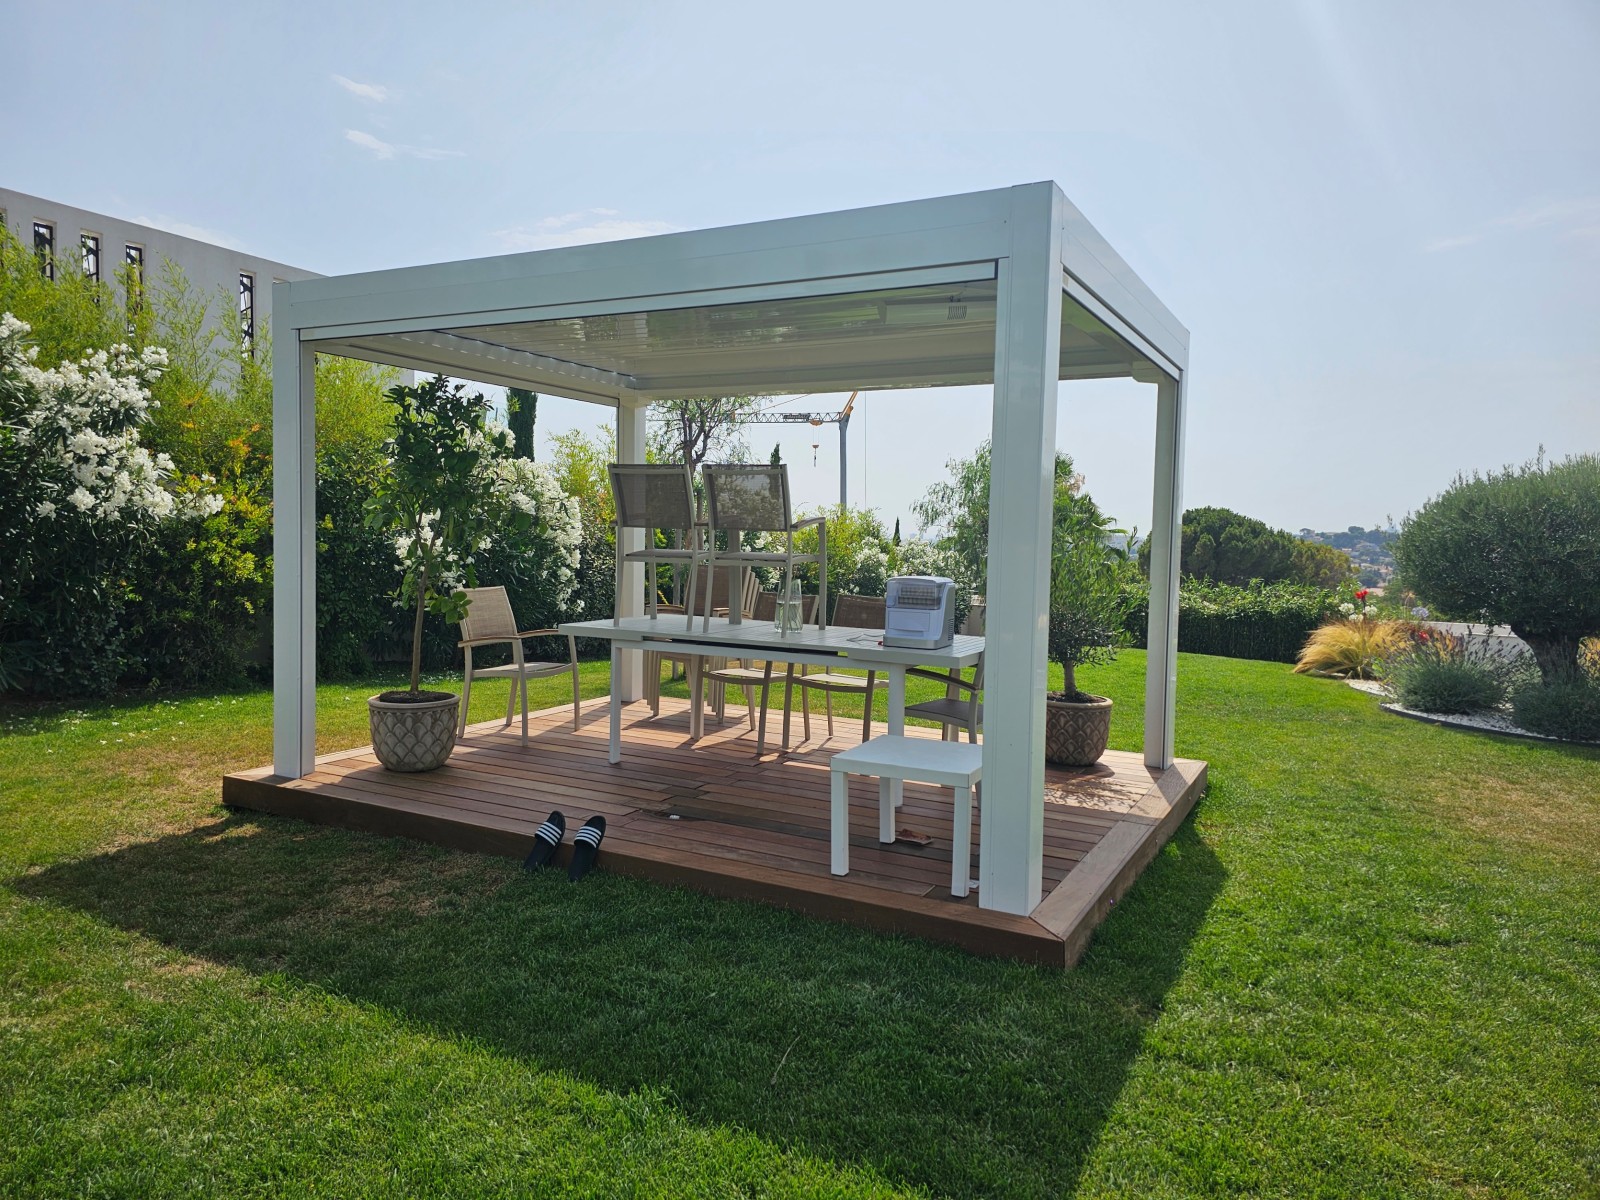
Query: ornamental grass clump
1351, 646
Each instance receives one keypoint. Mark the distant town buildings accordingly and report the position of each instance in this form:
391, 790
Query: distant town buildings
1368, 550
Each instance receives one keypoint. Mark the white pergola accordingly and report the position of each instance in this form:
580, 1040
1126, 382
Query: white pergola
1011, 287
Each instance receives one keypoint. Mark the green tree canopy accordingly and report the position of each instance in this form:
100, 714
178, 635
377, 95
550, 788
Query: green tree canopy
1521, 548
955, 511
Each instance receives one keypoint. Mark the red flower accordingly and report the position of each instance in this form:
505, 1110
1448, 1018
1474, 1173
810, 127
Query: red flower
1362, 594
1423, 634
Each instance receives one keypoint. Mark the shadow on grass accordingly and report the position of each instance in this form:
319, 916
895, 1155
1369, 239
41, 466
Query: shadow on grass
961, 1075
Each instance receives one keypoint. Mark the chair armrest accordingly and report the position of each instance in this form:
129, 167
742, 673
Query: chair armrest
808, 522
941, 677
539, 633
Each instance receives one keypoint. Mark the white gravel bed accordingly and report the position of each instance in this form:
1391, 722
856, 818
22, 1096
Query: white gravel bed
1497, 721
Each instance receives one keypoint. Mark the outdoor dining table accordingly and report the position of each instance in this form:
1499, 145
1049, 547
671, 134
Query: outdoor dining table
836, 647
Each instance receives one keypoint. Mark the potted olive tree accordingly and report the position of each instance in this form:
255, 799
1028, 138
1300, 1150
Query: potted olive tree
1088, 603
435, 497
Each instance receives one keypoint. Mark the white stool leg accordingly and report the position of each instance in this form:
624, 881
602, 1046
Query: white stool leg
885, 812
961, 843
841, 824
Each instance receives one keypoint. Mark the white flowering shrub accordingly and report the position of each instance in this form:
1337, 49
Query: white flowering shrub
79, 494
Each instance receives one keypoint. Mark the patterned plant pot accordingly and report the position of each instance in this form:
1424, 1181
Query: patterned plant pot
413, 736
1075, 735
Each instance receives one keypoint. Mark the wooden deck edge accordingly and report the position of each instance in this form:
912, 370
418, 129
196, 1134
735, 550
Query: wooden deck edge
1083, 899
995, 935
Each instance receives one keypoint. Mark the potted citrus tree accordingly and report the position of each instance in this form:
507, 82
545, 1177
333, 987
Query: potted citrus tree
1088, 603
435, 498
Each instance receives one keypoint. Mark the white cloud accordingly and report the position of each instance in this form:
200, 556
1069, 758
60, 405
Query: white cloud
578, 229
386, 150
1576, 218
375, 92
198, 232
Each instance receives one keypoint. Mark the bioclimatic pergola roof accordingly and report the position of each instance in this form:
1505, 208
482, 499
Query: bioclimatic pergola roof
1011, 287
929, 336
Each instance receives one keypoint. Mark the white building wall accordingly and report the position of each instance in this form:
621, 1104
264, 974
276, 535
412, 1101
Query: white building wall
207, 267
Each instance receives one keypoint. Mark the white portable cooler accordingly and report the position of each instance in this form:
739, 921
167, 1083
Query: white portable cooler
920, 612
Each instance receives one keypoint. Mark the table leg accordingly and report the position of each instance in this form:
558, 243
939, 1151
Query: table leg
697, 719
788, 699
614, 750
886, 810
961, 843
840, 823
766, 688
897, 719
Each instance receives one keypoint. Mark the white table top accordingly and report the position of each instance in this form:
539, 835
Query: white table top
764, 641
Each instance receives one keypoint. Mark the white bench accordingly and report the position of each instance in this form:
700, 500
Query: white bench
957, 765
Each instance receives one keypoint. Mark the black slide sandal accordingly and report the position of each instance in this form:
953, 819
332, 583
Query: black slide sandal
585, 846
546, 841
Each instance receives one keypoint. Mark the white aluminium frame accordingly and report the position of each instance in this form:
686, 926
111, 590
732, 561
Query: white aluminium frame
1029, 239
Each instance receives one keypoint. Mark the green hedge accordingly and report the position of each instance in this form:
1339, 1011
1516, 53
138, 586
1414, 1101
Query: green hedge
1264, 621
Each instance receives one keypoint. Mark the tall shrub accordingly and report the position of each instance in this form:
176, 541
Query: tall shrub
80, 497
1520, 547
1263, 621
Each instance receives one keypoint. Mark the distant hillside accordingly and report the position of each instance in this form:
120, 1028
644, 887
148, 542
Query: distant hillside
1369, 550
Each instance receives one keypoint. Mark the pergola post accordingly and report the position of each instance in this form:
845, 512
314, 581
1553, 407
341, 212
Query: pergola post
1166, 548
1021, 488
294, 550
628, 665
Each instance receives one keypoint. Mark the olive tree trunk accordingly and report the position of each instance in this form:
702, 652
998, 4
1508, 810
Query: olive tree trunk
1557, 655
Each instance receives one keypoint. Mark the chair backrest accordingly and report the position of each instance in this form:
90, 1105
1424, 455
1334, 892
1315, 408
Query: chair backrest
765, 606
859, 612
653, 495
741, 497
488, 614
715, 595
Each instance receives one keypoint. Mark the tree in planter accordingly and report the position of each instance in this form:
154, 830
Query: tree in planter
1088, 604
1518, 548
434, 497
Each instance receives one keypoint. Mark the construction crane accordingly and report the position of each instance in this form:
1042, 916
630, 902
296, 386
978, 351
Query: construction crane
816, 420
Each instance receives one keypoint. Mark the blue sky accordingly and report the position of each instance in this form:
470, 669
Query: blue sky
1380, 221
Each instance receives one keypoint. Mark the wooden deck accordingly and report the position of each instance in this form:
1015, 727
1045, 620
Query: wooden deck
708, 816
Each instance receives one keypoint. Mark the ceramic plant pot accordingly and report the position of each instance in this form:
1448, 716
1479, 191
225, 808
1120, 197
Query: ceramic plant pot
413, 735
1076, 734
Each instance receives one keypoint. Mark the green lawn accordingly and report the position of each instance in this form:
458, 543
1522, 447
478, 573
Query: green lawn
1369, 965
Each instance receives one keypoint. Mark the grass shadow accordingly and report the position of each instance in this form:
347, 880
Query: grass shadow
960, 1075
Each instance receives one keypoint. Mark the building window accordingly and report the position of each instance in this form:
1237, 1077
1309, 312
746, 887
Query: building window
247, 312
91, 257
133, 263
44, 245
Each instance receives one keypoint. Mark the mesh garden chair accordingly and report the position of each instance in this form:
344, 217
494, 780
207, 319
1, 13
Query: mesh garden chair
852, 612
961, 706
744, 499
748, 675
489, 622
651, 497
712, 596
